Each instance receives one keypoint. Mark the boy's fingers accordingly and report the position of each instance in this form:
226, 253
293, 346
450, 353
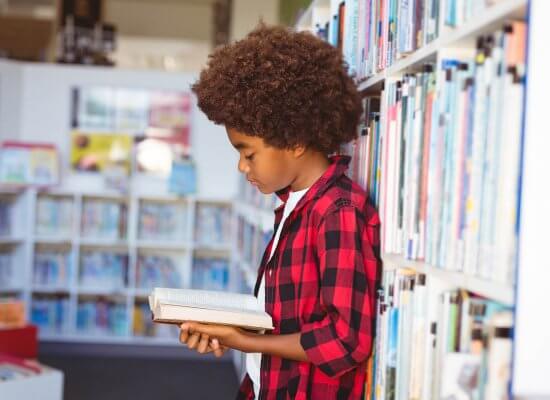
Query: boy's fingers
184, 336
203, 343
193, 340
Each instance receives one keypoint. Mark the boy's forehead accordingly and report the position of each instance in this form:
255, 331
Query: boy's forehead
241, 140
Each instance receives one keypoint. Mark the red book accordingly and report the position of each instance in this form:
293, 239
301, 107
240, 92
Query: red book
19, 342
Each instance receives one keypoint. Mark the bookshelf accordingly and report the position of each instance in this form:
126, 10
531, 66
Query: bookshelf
86, 262
437, 286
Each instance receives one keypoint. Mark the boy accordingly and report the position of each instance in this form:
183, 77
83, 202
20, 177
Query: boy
287, 103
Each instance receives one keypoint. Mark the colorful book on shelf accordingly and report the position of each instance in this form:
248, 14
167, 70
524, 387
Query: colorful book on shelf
176, 306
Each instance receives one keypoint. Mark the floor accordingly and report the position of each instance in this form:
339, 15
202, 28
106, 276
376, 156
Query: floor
109, 378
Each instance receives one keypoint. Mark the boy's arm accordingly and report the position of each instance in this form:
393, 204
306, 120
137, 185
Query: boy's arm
284, 346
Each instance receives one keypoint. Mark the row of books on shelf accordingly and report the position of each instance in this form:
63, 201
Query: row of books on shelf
102, 317
54, 216
100, 269
212, 224
162, 221
443, 163
374, 34
96, 317
108, 220
434, 343
52, 268
103, 219
109, 270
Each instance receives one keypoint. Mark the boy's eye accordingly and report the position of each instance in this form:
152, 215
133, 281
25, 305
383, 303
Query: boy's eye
250, 157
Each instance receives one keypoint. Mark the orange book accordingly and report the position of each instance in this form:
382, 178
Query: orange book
12, 314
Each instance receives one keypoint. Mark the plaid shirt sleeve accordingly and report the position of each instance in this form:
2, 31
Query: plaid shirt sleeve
348, 264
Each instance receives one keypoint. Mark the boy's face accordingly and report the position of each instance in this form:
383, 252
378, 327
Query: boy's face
268, 168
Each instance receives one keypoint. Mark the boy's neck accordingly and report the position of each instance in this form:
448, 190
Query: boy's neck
312, 166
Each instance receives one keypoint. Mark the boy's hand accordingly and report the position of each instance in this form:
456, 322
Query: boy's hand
209, 338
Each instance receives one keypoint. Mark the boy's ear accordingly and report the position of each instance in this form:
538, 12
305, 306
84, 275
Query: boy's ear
298, 151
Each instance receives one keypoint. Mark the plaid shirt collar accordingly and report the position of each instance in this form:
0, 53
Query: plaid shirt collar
338, 167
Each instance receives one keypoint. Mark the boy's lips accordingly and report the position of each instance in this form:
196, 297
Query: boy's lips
253, 182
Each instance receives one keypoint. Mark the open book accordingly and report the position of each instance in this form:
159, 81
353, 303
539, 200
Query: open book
175, 306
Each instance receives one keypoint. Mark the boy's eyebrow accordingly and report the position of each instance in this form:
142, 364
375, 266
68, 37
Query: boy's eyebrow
241, 146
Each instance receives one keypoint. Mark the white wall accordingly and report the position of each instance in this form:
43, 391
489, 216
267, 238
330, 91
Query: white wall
247, 13
11, 88
35, 106
178, 19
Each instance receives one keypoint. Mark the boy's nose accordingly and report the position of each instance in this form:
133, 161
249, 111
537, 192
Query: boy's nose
242, 166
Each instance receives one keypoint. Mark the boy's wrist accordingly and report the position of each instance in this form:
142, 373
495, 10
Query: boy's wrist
247, 342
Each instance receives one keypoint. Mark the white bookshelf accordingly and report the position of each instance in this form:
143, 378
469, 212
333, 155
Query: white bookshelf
25, 243
530, 348
455, 279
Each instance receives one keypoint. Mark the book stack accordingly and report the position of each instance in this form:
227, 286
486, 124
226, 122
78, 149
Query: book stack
103, 269
54, 216
104, 219
435, 343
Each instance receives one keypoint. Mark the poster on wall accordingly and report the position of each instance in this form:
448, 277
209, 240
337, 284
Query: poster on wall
100, 152
158, 121
31, 164
131, 109
169, 117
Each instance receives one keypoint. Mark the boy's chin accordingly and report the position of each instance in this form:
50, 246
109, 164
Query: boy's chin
264, 190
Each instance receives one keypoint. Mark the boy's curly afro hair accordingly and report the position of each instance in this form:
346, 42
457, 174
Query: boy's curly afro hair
288, 88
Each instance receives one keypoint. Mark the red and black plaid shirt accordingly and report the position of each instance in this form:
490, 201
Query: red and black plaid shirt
321, 282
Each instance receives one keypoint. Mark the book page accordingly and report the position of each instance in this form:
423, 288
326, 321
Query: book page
206, 299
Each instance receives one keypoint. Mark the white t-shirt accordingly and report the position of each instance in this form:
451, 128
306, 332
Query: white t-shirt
254, 360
